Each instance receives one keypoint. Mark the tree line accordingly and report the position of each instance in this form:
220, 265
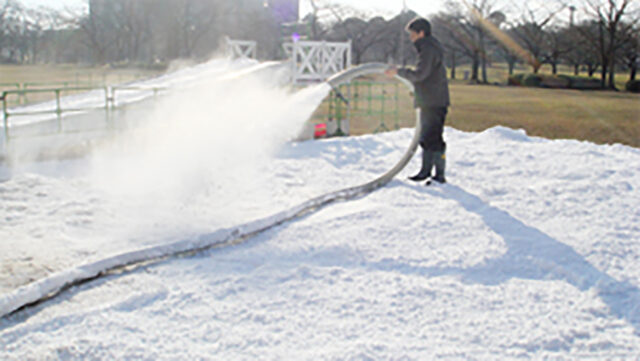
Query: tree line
129, 32
602, 39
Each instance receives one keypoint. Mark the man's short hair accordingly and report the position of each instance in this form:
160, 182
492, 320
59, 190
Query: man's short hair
420, 24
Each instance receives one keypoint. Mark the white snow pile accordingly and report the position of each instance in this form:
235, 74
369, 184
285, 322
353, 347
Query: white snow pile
195, 143
530, 251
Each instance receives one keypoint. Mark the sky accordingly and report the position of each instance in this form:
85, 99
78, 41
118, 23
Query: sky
385, 8
381, 7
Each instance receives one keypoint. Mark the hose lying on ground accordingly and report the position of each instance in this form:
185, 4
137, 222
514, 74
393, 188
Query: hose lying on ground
56, 283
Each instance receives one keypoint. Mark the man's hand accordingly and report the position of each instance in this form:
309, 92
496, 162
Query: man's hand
391, 72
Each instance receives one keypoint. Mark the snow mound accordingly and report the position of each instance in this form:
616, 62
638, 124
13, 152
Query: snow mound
504, 133
529, 252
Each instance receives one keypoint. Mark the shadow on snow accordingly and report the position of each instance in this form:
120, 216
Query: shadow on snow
532, 255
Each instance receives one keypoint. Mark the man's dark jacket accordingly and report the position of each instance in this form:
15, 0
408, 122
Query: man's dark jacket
430, 75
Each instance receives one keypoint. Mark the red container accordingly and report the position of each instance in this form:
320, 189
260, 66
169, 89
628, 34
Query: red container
320, 130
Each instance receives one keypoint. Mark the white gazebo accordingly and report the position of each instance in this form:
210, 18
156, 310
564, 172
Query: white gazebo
241, 49
315, 61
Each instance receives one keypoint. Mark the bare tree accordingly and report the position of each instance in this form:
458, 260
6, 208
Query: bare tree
13, 32
467, 27
133, 26
533, 36
316, 20
396, 41
612, 33
558, 45
457, 36
34, 27
97, 35
4, 24
363, 34
455, 42
575, 54
631, 53
508, 52
590, 32
197, 19
482, 13
146, 30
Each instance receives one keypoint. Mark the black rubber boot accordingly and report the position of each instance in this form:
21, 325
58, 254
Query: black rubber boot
427, 164
440, 160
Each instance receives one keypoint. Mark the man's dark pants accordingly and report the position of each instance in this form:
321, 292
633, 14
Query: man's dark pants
432, 122
433, 146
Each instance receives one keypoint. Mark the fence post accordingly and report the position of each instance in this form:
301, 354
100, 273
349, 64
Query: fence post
370, 99
5, 113
383, 108
339, 114
21, 100
397, 110
110, 103
23, 96
58, 110
382, 127
294, 62
107, 98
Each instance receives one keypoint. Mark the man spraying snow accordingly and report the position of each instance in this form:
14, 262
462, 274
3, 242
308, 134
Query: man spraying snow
431, 96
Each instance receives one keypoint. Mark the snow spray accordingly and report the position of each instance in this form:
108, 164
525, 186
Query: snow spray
208, 138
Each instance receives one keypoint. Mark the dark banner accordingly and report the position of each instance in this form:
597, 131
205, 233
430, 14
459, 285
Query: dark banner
285, 11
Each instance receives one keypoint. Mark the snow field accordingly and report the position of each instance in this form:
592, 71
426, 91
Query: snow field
530, 252
165, 181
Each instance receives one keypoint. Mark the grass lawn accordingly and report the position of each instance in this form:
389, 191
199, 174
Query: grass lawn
17, 77
603, 117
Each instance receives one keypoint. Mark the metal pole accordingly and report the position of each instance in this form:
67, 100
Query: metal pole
382, 97
108, 105
107, 98
370, 98
5, 112
21, 97
356, 95
25, 100
58, 110
382, 100
338, 131
397, 110
348, 118
294, 62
